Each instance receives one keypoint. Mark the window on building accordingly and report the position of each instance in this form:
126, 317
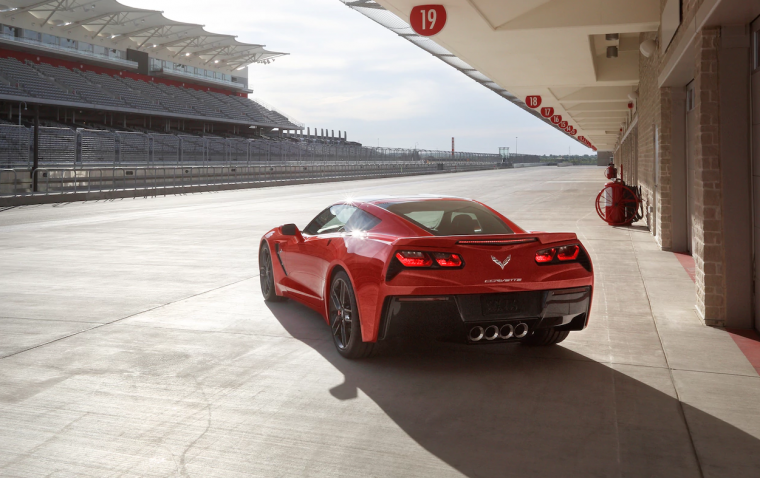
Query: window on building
82, 46
69, 43
50, 39
6, 30
32, 35
689, 97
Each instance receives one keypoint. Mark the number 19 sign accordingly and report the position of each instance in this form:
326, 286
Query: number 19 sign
428, 20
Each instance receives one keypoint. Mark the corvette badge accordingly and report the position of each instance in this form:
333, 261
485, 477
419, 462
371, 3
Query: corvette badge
502, 264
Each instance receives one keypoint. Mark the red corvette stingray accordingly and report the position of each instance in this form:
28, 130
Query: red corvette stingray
385, 266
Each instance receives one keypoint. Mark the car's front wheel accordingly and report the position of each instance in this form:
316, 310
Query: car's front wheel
344, 319
266, 275
545, 337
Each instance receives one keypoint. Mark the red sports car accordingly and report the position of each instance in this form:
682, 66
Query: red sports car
385, 266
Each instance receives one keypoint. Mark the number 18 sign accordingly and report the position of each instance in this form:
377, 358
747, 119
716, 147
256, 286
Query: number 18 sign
428, 20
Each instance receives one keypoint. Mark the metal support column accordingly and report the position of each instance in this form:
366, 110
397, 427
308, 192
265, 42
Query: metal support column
36, 157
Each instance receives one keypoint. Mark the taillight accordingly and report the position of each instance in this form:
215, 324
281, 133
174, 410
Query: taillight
414, 259
546, 255
447, 259
429, 260
558, 254
568, 253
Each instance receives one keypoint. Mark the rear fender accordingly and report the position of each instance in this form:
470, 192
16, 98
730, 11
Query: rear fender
366, 284
334, 268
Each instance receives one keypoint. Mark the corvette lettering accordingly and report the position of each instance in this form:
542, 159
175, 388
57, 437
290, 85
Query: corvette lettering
491, 281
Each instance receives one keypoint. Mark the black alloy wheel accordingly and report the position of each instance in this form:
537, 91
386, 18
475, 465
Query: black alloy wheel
266, 275
344, 319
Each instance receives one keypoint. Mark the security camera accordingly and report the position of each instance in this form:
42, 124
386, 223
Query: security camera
647, 47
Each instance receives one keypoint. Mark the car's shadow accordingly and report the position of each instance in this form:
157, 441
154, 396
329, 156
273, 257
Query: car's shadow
508, 410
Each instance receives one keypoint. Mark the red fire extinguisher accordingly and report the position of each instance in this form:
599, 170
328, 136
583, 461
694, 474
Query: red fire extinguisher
618, 204
611, 171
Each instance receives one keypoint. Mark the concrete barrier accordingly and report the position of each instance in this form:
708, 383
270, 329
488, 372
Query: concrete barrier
71, 184
529, 165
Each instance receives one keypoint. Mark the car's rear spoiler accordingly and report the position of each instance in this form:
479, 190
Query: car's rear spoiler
486, 240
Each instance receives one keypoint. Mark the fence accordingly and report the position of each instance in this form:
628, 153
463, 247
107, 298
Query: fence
84, 148
57, 145
14, 145
65, 181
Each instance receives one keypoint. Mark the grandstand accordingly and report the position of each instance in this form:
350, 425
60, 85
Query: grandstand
101, 63
94, 89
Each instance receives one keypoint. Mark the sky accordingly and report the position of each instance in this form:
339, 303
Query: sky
345, 72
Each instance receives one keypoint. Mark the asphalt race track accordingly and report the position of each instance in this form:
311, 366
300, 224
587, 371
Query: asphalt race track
134, 342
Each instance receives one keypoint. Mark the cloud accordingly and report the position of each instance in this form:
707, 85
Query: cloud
346, 72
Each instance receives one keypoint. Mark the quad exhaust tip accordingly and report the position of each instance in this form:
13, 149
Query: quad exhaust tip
506, 331
493, 332
476, 333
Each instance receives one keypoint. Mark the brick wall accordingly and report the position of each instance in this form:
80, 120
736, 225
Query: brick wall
648, 112
709, 254
625, 158
665, 199
655, 116
654, 109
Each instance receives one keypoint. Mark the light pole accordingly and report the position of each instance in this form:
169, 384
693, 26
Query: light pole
19, 111
515, 145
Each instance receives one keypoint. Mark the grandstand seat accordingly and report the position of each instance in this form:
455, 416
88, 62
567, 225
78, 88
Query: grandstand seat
78, 85
120, 90
46, 81
25, 78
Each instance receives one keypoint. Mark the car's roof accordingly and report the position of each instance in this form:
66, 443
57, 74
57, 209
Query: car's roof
384, 199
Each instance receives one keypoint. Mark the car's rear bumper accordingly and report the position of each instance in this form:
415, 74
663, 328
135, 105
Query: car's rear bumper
455, 315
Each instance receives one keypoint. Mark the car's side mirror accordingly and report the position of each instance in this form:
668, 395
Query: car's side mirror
291, 230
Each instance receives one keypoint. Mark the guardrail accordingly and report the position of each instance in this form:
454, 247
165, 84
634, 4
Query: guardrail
60, 182
65, 147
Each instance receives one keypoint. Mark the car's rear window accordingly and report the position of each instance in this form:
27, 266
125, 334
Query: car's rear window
450, 217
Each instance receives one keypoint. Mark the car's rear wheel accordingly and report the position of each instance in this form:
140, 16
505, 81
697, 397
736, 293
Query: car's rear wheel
541, 337
266, 275
344, 319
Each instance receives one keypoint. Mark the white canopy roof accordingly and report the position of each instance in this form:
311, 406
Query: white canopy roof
580, 56
147, 30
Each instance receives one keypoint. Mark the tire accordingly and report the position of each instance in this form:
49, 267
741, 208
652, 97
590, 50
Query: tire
266, 275
345, 325
544, 337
